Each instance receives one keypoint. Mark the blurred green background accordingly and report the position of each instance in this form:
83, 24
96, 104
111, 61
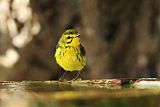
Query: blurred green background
121, 38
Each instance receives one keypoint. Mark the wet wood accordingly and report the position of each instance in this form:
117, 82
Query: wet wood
85, 92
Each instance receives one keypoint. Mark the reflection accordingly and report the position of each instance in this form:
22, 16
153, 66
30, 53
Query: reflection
13, 95
13, 100
53, 93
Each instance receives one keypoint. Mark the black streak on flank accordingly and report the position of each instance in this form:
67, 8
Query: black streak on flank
82, 50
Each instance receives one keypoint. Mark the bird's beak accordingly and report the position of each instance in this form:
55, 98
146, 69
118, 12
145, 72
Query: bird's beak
77, 35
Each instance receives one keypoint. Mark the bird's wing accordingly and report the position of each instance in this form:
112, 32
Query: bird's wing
82, 50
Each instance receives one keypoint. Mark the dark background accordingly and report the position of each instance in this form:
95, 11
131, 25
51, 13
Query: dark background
121, 38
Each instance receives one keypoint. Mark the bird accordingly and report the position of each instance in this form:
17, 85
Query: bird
70, 54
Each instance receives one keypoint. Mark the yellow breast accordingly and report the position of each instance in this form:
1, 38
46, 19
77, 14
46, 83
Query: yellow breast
70, 60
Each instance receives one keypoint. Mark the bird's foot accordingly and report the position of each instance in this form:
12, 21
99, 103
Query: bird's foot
76, 79
62, 80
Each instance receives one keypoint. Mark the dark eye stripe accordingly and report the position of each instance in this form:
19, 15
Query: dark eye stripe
68, 37
69, 41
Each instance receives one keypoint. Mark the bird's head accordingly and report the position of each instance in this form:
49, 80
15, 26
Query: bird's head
71, 37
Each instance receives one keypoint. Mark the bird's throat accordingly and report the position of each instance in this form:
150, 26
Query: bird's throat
75, 42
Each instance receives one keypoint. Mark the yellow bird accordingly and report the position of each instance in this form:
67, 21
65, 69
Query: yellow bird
70, 54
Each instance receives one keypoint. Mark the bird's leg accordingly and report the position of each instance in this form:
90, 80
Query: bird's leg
61, 78
76, 76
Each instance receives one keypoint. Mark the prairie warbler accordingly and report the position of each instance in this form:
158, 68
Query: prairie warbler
70, 54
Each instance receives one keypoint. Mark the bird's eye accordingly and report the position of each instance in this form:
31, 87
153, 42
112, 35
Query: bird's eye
68, 37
